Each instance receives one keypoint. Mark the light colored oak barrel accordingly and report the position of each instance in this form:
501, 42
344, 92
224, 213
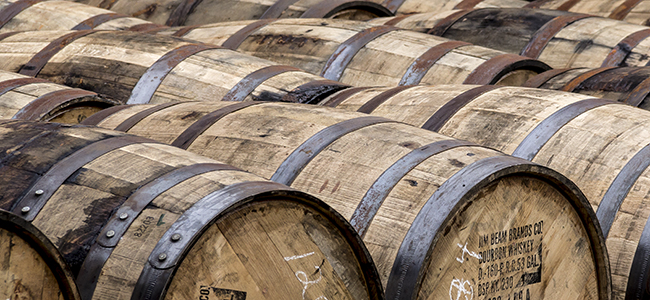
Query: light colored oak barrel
32, 267
360, 54
192, 12
132, 67
601, 145
441, 217
558, 38
407, 7
136, 219
27, 98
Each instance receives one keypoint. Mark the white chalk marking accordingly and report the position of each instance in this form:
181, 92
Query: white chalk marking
306, 283
290, 258
461, 259
460, 284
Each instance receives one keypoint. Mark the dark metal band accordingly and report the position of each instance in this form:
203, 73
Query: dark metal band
395, 20
467, 4
378, 192
536, 3
40, 59
153, 77
422, 64
339, 60
8, 85
618, 54
31, 203
184, 30
449, 109
99, 116
443, 25
568, 5
97, 20
179, 15
638, 94
8, 34
13, 9
540, 79
314, 91
335, 100
147, 28
575, 82
393, 5
373, 103
276, 10
326, 9
156, 274
543, 132
44, 104
638, 282
624, 9
248, 84
543, 35
123, 218
620, 187
494, 68
235, 40
301, 156
185, 139
127, 124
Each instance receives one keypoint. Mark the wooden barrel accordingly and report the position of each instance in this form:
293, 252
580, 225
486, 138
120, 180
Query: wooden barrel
27, 98
192, 12
601, 145
136, 219
560, 39
407, 7
359, 54
132, 67
439, 216
32, 267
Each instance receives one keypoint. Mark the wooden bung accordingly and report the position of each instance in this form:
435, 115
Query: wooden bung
136, 219
439, 216
360, 54
558, 38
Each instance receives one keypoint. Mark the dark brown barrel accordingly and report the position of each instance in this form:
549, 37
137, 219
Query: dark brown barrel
136, 219
33, 268
437, 214
361, 54
137, 68
600, 144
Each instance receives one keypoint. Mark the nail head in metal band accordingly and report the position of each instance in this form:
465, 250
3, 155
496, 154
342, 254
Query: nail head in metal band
335, 100
543, 35
327, 9
624, 9
467, 4
540, 79
638, 282
443, 25
618, 54
249, 83
638, 94
99, 116
179, 15
235, 40
185, 139
40, 59
276, 10
44, 104
449, 109
378, 192
97, 20
339, 60
422, 64
301, 156
545, 130
373, 103
153, 77
60, 171
13, 9
620, 187
127, 124
574, 83
495, 68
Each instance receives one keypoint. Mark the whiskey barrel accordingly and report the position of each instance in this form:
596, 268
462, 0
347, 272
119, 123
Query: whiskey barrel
408, 7
134, 68
192, 12
601, 145
27, 98
136, 219
439, 216
32, 267
360, 54
558, 38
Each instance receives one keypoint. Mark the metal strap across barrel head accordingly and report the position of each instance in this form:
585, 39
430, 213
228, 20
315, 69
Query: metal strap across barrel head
638, 282
422, 64
335, 100
13, 9
543, 132
449, 109
40, 59
99, 116
249, 83
156, 73
624, 9
395, 20
97, 20
40, 106
238, 37
378, 192
373, 103
543, 35
574, 83
314, 91
443, 25
185, 139
184, 30
339, 60
495, 68
301, 156
326, 9
179, 15
135, 119
8, 85
541, 78
126, 214
275, 11
638, 94
618, 54
31, 204
568, 4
